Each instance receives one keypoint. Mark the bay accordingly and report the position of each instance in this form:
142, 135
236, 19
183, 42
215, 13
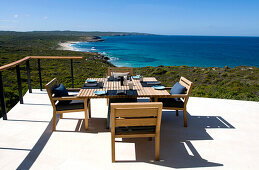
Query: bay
155, 50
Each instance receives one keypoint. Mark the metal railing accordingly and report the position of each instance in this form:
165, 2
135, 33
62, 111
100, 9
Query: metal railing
17, 65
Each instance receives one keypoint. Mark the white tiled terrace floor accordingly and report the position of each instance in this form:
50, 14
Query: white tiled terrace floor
221, 134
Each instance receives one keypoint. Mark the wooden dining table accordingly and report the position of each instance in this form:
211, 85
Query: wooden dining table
139, 90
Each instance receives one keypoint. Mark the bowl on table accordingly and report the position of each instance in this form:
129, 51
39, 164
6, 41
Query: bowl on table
91, 81
136, 77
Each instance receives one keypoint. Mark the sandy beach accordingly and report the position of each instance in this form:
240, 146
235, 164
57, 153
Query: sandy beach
68, 46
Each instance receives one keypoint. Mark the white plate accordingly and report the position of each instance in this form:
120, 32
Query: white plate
159, 87
136, 77
100, 92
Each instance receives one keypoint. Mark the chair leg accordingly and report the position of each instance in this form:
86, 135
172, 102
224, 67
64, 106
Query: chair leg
185, 117
177, 114
108, 119
86, 114
113, 146
89, 108
61, 116
157, 146
54, 121
107, 101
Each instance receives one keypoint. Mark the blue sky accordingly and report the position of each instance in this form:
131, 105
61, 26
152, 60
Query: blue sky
170, 17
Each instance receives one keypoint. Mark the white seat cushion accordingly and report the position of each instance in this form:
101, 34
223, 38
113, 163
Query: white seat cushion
118, 74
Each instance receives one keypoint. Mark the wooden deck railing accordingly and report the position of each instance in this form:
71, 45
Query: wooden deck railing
17, 65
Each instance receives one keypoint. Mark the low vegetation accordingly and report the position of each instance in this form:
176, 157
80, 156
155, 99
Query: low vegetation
240, 83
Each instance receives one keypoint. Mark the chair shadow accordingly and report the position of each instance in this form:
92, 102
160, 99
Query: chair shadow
175, 139
176, 149
95, 125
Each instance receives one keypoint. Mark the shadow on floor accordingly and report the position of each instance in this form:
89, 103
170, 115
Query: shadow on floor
176, 148
36, 121
95, 125
37, 148
36, 104
17, 149
42, 92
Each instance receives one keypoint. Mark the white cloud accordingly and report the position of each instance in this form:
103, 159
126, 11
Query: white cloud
45, 18
6, 20
15, 15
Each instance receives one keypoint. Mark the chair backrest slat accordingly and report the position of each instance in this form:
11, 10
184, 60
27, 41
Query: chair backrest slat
120, 69
52, 84
136, 114
135, 122
184, 82
49, 87
188, 84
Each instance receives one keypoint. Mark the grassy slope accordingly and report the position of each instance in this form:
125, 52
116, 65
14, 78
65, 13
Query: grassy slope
231, 83
241, 83
14, 47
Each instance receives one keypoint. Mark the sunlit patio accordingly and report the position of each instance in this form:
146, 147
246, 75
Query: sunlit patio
221, 134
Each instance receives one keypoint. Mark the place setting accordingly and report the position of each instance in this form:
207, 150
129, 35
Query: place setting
159, 87
93, 84
150, 83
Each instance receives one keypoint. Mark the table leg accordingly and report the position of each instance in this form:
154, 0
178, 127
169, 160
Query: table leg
155, 99
86, 114
89, 108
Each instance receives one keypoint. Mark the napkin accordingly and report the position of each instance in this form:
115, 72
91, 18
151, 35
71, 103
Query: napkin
154, 83
121, 92
90, 84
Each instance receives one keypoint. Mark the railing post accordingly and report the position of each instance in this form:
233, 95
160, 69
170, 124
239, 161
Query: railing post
72, 72
28, 75
19, 83
40, 74
3, 106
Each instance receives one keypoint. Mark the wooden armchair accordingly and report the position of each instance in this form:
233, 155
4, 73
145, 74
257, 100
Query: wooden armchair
120, 69
178, 101
134, 120
60, 105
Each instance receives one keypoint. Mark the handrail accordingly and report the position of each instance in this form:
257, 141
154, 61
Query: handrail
55, 57
15, 63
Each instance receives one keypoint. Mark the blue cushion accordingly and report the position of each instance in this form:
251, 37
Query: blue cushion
60, 91
69, 105
178, 89
172, 102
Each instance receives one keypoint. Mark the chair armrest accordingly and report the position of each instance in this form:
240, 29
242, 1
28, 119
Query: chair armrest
73, 89
66, 98
178, 95
168, 88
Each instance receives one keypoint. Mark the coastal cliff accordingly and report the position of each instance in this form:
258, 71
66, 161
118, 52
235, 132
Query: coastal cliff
240, 82
91, 39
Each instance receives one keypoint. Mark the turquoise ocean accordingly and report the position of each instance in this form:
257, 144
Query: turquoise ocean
155, 50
